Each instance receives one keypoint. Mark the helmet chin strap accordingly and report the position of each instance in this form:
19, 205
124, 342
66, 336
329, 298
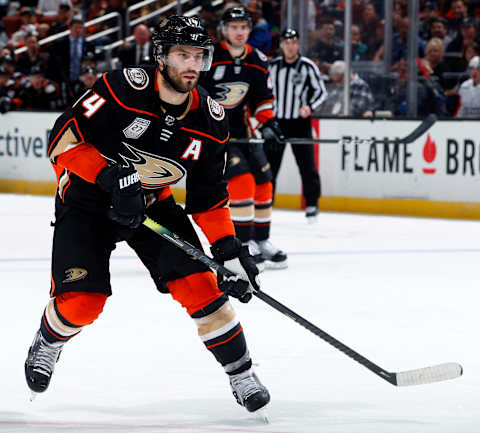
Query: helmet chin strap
169, 80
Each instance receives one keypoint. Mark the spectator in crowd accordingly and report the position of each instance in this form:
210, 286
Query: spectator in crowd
399, 44
430, 13
32, 56
260, 36
50, 7
140, 51
470, 92
67, 54
368, 26
43, 30
27, 26
326, 50
359, 49
433, 61
87, 79
456, 16
438, 29
430, 96
361, 98
7, 91
466, 35
64, 18
38, 93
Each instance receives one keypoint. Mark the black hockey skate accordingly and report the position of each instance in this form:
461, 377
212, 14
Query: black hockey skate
40, 363
274, 257
249, 391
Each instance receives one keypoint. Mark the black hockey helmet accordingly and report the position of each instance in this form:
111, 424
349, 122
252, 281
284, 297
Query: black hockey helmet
289, 33
179, 30
235, 14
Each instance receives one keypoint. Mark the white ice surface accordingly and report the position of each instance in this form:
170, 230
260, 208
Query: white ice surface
403, 292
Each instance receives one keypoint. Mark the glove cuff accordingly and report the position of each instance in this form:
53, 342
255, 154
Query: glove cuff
226, 248
106, 177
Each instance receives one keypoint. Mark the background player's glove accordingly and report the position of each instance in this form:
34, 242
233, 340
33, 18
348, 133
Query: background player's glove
128, 201
235, 257
271, 131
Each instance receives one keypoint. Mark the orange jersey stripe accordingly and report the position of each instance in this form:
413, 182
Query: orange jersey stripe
122, 104
211, 137
84, 160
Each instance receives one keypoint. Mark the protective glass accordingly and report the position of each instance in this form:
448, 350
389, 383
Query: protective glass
183, 57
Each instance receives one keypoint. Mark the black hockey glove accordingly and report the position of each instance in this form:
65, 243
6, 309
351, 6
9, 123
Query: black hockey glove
6, 104
271, 131
236, 258
128, 201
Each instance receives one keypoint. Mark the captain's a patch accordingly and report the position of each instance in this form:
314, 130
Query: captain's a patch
136, 77
136, 128
216, 110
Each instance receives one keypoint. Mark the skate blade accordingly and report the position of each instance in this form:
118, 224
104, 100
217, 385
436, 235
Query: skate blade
33, 395
261, 415
312, 220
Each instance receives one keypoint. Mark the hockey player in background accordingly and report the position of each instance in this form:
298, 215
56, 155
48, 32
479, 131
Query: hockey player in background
238, 80
115, 153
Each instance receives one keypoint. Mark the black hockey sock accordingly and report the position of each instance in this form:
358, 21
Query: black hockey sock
262, 220
242, 218
230, 350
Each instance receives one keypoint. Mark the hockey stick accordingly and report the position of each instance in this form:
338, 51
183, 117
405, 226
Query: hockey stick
419, 376
426, 124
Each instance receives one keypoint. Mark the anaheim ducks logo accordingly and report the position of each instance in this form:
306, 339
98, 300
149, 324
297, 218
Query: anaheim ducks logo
74, 274
231, 94
154, 171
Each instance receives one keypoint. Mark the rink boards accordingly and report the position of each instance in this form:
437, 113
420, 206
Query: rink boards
437, 175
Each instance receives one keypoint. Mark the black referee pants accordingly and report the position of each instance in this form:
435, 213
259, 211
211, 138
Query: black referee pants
304, 156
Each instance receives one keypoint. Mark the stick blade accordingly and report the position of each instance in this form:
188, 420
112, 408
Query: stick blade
436, 373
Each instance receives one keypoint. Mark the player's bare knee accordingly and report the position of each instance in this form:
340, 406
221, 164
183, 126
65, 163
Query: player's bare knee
213, 323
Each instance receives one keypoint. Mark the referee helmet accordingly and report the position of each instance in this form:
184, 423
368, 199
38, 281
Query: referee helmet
289, 33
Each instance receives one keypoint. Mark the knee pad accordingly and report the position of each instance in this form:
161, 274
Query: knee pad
241, 188
196, 291
264, 194
80, 308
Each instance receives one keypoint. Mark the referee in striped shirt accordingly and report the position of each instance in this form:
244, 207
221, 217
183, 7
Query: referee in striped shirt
298, 90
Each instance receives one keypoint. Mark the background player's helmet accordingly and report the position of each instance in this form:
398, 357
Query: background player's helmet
178, 30
289, 33
235, 14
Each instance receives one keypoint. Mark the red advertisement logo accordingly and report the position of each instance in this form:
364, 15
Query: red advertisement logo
429, 154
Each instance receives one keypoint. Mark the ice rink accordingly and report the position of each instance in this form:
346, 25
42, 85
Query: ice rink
403, 292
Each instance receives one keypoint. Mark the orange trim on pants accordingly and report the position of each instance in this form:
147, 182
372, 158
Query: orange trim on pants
241, 188
195, 291
80, 308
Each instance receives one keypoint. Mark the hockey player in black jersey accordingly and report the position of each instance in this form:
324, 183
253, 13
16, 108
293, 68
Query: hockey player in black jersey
238, 80
115, 153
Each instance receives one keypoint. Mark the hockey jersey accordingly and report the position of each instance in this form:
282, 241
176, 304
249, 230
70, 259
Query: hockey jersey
121, 120
242, 86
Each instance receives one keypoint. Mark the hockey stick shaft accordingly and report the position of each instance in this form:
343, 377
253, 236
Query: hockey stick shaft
413, 377
426, 124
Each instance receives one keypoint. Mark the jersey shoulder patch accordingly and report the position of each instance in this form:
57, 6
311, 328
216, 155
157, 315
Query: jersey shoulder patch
136, 77
261, 56
215, 109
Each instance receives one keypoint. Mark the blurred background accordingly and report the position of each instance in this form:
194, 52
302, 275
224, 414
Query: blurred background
411, 56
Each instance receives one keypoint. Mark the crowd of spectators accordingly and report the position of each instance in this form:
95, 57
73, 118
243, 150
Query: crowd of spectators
52, 75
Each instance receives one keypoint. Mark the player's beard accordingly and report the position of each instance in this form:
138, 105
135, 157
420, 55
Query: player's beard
180, 84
